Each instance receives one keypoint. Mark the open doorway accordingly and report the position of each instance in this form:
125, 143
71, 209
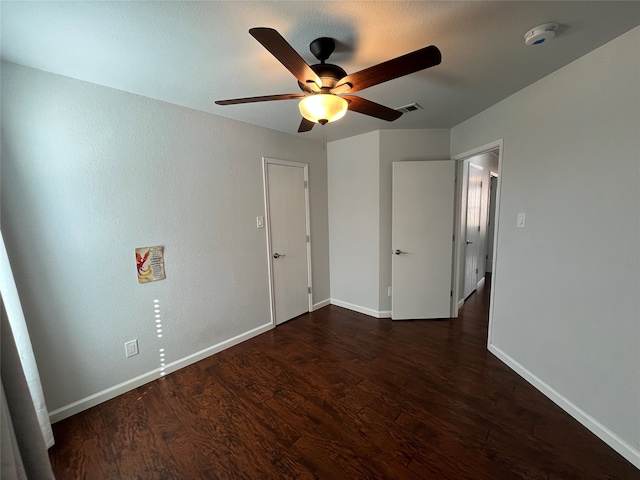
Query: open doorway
491, 221
478, 173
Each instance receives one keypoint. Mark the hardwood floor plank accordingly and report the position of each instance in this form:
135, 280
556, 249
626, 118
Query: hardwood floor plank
242, 445
282, 431
162, 418
78, 428
99, 461
192, 383
82, 449
139, 450
334, 449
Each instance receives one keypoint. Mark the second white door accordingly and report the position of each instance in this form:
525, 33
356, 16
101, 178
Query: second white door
422, 239
472, 240
287, 221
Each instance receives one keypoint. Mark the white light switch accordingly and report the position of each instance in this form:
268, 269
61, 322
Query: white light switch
520, 221
260, 222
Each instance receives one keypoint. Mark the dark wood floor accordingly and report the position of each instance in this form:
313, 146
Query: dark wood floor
339, 395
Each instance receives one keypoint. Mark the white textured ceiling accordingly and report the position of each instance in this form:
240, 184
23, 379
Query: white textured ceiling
193, 53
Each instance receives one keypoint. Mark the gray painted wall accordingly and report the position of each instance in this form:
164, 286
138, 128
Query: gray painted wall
566, 308
89, 174
353, 183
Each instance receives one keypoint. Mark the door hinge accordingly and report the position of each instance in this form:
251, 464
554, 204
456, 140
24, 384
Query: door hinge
453, 238
476, 271
309, 289
480, 184
478, 227
306, 184
307, 238
451, 294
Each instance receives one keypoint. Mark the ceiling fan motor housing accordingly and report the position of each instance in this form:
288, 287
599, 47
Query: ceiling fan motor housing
328, 73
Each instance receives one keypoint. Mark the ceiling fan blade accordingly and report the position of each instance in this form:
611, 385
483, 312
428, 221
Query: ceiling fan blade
340, 89
398, 67
280, 48
265, 98
305, 125
367, 107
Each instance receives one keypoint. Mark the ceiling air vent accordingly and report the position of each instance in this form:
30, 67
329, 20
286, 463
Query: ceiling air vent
412, 107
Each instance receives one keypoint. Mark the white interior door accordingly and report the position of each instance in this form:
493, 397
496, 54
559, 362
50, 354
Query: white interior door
288, 227
422, 230
474, 195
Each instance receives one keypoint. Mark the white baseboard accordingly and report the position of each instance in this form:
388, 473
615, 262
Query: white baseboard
602, 432
480, 283
319, 305
359, 309
112, 392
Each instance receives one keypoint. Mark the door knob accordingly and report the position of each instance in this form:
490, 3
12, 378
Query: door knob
399, 252
469, 243
277, 255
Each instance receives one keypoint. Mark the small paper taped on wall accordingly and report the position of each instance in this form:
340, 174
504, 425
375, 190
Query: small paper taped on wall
150, 263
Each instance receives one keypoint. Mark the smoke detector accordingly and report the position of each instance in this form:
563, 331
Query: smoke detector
540, 34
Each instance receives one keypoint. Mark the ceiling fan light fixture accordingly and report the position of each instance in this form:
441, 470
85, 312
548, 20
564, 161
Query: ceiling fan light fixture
323, 108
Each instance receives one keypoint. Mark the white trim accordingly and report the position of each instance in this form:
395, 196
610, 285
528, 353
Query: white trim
483, 149
274, 161
480, 283
112, 392
602, 432
496, 228
457, 232
267, 231
357, 308
319, 305
308, 227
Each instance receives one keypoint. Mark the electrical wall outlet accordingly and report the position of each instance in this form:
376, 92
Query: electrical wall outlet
131, 348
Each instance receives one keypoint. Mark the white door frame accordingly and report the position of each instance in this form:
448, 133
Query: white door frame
274, 161
460, 158
491, 207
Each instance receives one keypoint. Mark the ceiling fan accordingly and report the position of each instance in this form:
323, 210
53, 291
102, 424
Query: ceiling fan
326, 88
